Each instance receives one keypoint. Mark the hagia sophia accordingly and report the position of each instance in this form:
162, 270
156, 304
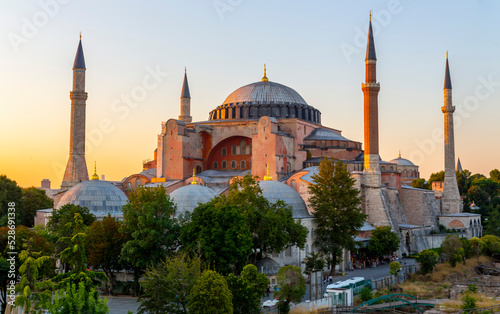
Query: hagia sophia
268, 130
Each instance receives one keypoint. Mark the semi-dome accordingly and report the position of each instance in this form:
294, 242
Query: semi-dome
265, 98
100, 197
188, 197
268, 266
274, 191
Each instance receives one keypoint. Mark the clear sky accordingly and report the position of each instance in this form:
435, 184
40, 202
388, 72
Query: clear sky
315, 47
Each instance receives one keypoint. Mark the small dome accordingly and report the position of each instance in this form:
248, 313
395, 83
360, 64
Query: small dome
402, 162
100, 197
274, 191
188, 197
268, 266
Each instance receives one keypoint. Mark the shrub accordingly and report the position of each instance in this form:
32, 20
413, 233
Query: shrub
468, 302
365, 294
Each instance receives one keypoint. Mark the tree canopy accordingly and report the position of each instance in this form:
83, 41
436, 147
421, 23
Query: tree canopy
210, 295
383, 241
292, 287
247, 290
337, 210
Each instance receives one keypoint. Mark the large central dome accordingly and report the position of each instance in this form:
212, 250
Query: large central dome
265, 98
265, 92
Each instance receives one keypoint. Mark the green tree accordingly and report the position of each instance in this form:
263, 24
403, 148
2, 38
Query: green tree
491, 245
221, 235
75, 256
495, 175
314, 262
478, 196
73, 300
34, 199
420, 184
104, 242
10, 192
167, 286
492, 224
437, 176
427, 259
463, 181
32, 262
383, 241
210, 295
477, 246
62, 219
4, 281
468, 248
247, 289
272, 226
451, 250
292, 287
468, 302
337, 210
152, 231
394, 268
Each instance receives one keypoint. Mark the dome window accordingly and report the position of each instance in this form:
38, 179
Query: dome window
223, 152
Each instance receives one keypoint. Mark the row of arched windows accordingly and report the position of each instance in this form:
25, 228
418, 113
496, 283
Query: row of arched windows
243, 164
234, 149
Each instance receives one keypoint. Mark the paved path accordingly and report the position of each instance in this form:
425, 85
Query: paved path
121, 305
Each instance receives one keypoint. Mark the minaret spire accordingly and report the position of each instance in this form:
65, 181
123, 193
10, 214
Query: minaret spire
185, 101
370, 91
76, 169
451, 203
264, 78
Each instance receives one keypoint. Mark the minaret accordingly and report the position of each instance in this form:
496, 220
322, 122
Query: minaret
76, 169
451, 201
185, 101
370, 91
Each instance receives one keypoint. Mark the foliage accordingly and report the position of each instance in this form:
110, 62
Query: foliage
222, 236
210, 295
292, 287
427, 259
314, 262
167, 286
152, 231
247, 289
421, 184
104, 242
463, 181
30, 275
495, 175
451, 250
74, 255
62, 219
74, 300
468, 248
477, 246
394, 268
472, 288
33, 200
437, 176
468, 302
492, 225
366, 294
272, 226
4, 280
10, 192
491, 245
337, 210
383, 241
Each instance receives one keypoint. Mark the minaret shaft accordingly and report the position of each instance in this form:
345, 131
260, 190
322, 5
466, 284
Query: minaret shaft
451, 201
76, 169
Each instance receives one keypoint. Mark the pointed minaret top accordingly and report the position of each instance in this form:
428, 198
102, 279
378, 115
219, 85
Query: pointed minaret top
79, 59
370, 46
185, 86
264, 78
447, 77
399, 153
459, 165
95, 176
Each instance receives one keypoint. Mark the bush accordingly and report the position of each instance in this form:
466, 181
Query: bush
468, 302
365, 294
472, 288
427, 259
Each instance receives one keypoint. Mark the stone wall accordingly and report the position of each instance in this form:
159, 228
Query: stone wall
420, 207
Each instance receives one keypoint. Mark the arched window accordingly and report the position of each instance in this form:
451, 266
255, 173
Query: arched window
129, 186
223, 152
233, 164
242, 147
233, 113
198, 169
382, 168
226, 112
224, 164
392, 168
288, 252
215, 165
293, 184
137, 182
405, 173
233, 149
243, 164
